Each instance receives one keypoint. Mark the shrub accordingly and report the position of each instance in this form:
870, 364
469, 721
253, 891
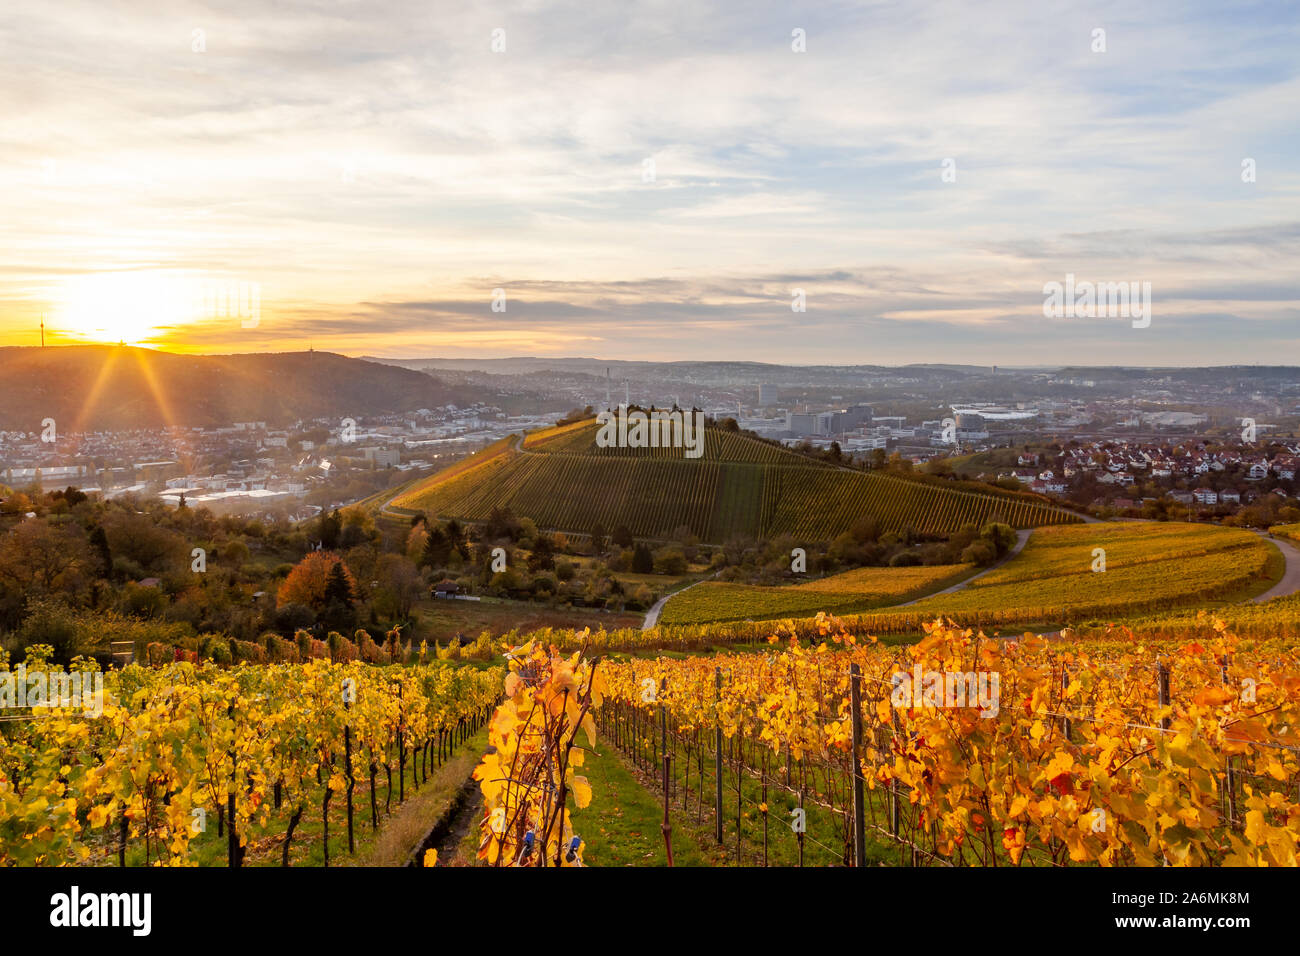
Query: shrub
278, 650
905, 559
248, 651
341, 649
55, 624
670, 561
371, 652
217, 651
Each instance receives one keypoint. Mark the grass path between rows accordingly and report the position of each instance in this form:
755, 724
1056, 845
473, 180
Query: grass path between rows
621, 826
402, 831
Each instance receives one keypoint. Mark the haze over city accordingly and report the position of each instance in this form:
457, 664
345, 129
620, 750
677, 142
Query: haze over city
653, 182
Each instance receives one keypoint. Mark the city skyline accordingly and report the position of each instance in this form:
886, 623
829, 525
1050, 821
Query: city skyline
378, 181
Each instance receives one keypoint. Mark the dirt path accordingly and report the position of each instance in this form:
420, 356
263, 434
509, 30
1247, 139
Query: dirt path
1022, 538
652, 615
1290, 582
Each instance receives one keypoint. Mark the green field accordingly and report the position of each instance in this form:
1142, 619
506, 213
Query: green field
856, 590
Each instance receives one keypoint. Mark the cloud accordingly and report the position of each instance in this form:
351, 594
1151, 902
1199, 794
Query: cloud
375, 170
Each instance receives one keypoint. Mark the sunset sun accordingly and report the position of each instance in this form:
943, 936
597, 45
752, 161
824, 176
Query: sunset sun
129, 307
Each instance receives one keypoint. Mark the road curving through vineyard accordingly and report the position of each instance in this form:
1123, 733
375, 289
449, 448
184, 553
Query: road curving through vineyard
1290, 582
1022, 538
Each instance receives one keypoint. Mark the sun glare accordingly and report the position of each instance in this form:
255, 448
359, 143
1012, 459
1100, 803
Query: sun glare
129, 307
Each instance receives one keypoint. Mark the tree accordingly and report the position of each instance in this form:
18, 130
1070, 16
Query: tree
340, 598
416, 542
598, 538
643, 561
542, 557
1001, 536
456, 535
399, 586
358, 528
39, 558
311, 580
622, 537
100, 549
501, 523
979, 552
576, 415
329, 528
144, 542
669, 561
339, 585
437, 549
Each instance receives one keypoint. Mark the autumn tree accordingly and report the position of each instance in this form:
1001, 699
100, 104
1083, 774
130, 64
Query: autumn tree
399, 586
311, 580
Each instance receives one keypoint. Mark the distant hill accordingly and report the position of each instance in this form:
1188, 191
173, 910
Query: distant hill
101, 387
740, 486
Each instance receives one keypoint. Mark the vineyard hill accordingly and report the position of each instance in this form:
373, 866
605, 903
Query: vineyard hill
741, 486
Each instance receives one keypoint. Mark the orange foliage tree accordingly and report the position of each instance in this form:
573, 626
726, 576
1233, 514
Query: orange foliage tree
308, 582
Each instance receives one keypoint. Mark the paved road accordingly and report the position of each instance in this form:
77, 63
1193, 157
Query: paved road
1290, 582
652, 615
1022, 538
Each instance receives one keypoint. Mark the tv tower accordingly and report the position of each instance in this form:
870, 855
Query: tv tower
607, 386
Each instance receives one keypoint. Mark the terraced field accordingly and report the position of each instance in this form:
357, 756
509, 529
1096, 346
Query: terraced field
579, 438
856, 590
1149, 568
1289, 531
740, 486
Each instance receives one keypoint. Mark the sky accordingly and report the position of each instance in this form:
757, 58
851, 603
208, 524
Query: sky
652, 180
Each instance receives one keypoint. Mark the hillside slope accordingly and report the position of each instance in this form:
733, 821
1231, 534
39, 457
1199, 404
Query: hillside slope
740, 486
101, 387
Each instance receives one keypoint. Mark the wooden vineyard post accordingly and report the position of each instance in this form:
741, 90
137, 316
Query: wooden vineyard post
347, 764
401, 750
1162, 687
668, 762
1065, 684
764, 778
232, 846
740, 790
893, 783
859, 797
717, 752
1230, 778
798, 833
